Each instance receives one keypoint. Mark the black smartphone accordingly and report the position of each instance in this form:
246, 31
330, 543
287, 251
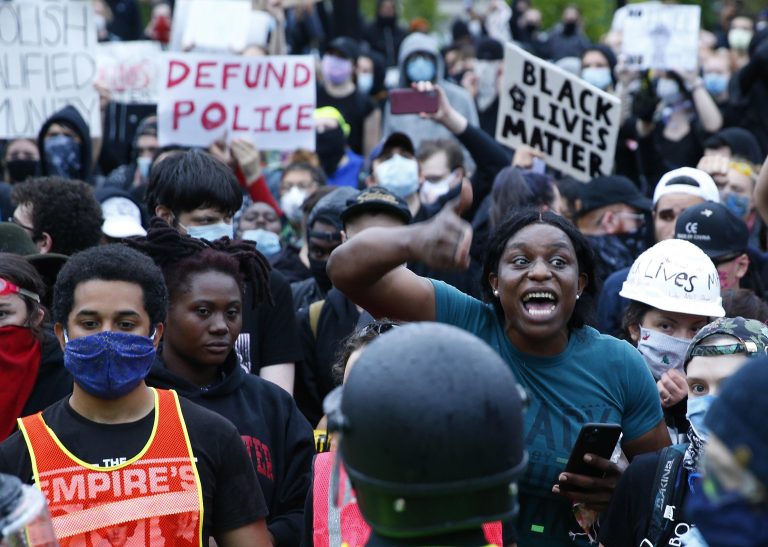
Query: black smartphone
598, 439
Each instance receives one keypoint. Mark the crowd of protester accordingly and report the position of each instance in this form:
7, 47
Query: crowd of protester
177, 321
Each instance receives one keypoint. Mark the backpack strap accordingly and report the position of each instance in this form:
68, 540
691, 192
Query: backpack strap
315, 308
670, 487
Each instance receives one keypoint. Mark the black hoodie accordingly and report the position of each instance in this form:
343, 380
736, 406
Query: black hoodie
54, 382
278, 438
70, 117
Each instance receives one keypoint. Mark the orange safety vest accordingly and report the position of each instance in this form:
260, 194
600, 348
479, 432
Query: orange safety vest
344, 524
153, 499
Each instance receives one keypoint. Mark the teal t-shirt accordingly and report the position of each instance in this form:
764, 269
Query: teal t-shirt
596, 379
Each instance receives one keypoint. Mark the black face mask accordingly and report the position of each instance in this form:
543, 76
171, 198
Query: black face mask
532, 28
569, 27
387, 21
330, 147
317, 267
21, 170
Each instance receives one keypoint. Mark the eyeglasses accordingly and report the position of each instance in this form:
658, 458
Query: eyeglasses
6, 287
639, 218
378, 327
15, 221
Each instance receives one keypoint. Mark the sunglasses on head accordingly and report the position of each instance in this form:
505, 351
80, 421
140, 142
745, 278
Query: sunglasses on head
6, 287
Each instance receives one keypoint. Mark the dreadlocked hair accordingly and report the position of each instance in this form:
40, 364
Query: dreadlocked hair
179, 256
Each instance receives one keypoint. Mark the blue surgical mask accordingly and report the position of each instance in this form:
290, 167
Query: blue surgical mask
421, 69
62, 156
267, 243
365, 82
715, 83
109, 365
211, 232
399, 175
600, 77
738, 205
668, 91
144, 164
697, 410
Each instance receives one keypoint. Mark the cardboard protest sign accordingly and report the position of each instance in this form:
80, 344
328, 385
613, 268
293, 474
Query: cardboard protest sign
661, 36
129, 70
268, 100
544, 107
47, 61
218, 26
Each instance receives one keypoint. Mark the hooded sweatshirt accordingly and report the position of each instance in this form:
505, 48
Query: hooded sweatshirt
411, 124
70, 117
278, 438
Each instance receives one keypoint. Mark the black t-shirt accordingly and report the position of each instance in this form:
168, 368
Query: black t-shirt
232, 497
270, 334
355, 108
625, 523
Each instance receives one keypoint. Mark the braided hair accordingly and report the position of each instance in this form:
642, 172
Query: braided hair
179, 256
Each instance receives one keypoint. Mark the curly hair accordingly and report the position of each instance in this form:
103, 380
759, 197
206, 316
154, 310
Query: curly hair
110, 263
180, 256
64, 209
585, 256
21, 273
358, 339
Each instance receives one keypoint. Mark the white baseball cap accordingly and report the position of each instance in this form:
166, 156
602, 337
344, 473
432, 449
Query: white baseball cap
122, 218
675, 275
687, 180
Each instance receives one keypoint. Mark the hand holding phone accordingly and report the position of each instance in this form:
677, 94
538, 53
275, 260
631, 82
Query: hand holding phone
594, 438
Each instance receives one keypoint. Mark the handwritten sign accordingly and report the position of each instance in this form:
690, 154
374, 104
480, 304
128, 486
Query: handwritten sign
47, 61
574, 124
268, 100
129, 70
661, 36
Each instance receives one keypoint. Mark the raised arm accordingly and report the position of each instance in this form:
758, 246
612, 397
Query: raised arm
369, 268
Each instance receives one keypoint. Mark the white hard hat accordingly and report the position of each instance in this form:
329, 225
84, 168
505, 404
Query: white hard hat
675, 275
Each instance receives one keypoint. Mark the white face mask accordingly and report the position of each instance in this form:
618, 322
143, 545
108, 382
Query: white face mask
399, 175
291, 203
661, 351
211, 232
430, 192
144, 164
668, 91
487, 88
365, 82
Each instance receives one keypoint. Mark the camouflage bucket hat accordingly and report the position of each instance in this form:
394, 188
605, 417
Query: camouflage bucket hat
752, 338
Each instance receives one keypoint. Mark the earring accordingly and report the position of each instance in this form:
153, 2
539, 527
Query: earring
577, 296
495, 293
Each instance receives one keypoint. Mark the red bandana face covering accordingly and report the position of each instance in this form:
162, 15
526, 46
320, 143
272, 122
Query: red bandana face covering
19, 362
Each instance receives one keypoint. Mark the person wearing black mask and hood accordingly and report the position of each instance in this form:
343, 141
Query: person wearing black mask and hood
384, 34
65, 145
324, 229
567, 39
342, 166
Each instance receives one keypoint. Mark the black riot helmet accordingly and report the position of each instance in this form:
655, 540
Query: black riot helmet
431, 422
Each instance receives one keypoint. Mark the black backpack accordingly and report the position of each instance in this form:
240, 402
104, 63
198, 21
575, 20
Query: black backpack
671, 482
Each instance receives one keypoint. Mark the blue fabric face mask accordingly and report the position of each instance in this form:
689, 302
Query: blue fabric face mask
697, 410
267, 243
715, 83
421, 69
210, 232
738, 205
399, 175
600, 77
144, 164
109, 365
62, 156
